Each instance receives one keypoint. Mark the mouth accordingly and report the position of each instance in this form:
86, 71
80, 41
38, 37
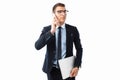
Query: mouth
63, 17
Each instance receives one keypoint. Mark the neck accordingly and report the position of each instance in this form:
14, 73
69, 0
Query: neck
61, 23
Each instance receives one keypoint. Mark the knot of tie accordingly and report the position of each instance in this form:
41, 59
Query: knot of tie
59, 27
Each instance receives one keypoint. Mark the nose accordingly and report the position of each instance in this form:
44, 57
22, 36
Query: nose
63, 14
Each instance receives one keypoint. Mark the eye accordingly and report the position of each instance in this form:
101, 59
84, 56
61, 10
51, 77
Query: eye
60, 11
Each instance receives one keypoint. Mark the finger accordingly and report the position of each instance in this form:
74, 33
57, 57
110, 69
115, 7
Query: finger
75, 72
72, 73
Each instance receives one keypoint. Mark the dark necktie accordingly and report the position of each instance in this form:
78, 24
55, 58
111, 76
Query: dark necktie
59, 44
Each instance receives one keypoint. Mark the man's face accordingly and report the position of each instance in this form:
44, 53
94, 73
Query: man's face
60, 13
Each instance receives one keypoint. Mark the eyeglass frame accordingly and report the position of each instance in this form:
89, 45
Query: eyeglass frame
62, 11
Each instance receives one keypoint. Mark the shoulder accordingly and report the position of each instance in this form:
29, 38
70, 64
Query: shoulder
68, 25
46, 28
71, 27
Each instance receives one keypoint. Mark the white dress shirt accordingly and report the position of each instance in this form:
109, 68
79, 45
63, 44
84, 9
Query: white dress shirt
63, 41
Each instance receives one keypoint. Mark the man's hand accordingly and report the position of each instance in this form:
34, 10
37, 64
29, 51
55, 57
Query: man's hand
55, 23
74, 72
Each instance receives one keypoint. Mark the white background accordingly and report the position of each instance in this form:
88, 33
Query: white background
21, 22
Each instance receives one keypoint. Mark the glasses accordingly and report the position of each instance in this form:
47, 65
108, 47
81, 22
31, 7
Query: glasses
62, 11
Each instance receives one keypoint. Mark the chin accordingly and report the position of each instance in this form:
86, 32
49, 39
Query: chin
62, 21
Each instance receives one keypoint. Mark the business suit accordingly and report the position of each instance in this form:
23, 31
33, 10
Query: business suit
46, 38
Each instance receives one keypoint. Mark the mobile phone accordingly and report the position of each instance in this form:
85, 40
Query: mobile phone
56, 18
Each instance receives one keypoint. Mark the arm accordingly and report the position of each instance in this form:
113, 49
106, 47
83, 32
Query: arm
44, 38
79, 50
47, 33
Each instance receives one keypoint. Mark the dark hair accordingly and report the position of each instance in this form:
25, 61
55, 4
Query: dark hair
56, 5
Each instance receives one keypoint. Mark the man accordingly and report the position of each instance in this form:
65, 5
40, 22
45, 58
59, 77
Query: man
59, 38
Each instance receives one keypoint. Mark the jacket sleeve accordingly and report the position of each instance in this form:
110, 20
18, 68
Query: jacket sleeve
44, 38
79, 50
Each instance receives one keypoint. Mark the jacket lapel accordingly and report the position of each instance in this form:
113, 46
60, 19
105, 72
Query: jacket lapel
67, 38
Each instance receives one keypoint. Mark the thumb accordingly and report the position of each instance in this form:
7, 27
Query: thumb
71, 73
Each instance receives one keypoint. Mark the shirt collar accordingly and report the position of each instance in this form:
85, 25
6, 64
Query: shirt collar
62, 26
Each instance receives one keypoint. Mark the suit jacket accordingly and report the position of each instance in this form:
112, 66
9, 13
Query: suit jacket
46, 38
